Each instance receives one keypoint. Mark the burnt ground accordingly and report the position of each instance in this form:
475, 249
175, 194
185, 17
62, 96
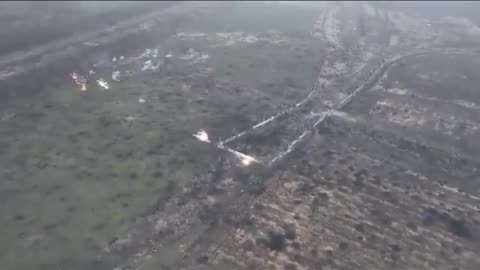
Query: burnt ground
364, 120
388, 181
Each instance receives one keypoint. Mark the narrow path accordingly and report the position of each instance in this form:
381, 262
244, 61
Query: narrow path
282, 113
371, 81
243, 208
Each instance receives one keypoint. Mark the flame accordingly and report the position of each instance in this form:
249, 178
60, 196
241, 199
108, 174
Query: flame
79, 80
103, 83
247, 161
202, 135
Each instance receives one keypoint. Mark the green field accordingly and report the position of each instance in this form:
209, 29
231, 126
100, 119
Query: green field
81, 168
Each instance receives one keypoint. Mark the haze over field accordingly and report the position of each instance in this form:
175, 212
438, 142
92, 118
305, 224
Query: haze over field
239, 135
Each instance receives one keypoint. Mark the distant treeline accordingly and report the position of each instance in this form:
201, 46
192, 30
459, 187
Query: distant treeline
435, 9
29, 24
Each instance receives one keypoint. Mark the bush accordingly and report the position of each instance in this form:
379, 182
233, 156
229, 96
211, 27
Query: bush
343, 245
290, 231
171, 186
290, 266
459, 228
202, 259
276, 241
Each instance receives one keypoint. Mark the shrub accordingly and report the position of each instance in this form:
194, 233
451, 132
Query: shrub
276, 241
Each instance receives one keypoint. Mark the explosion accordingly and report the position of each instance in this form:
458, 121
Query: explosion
202, 135
79, 80
103, 83
246, 160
